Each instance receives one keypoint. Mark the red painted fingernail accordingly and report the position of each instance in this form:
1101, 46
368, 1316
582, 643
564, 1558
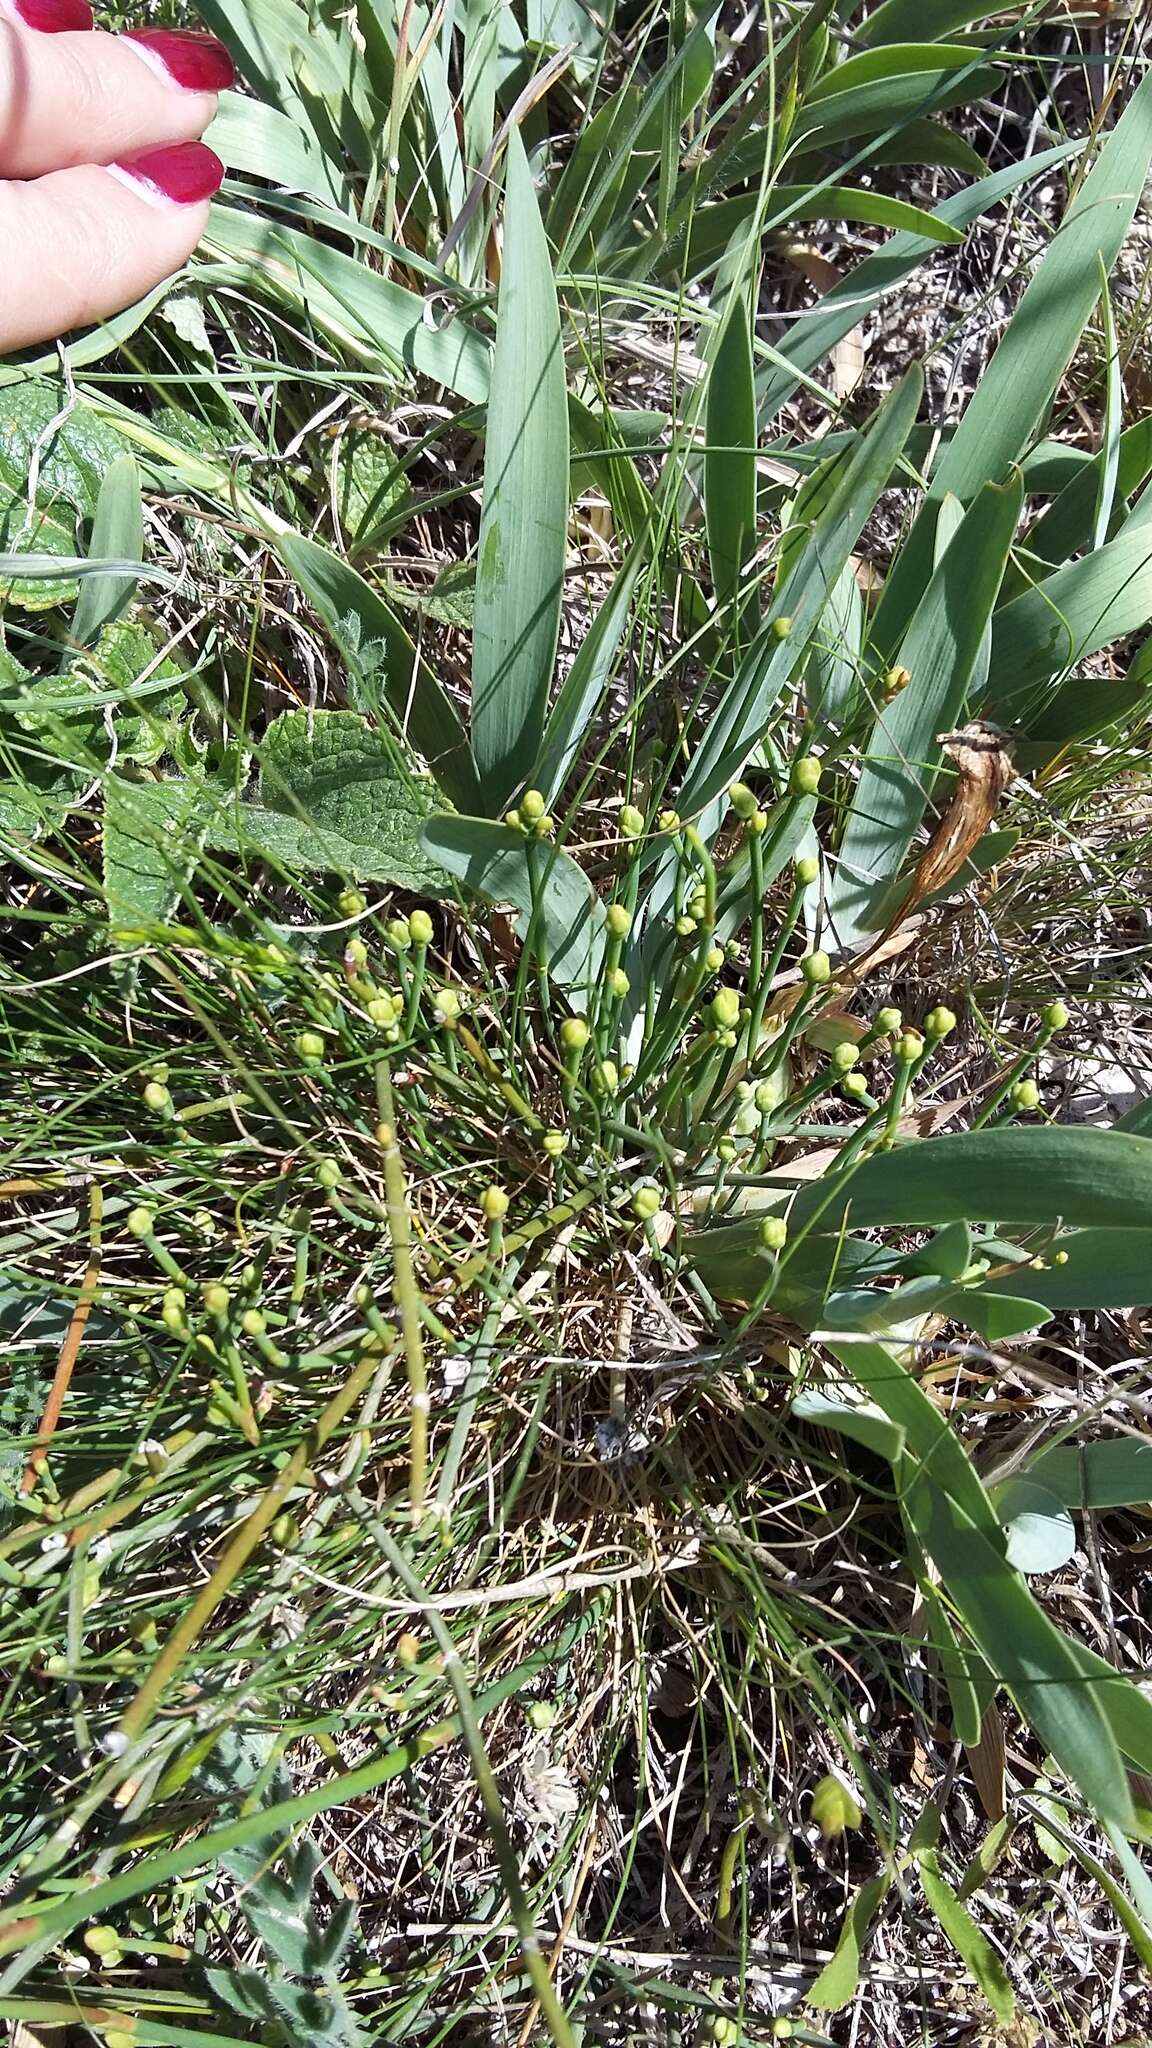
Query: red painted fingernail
197, 62
51, 16
186, 172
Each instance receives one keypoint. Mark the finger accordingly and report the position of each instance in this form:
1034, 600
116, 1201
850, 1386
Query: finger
80, 244
83, 97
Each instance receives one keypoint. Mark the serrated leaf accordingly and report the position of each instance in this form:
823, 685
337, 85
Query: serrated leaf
67, 445
837, 1983
970, 1944
835, 1807
368, 487
333, 796
152, 834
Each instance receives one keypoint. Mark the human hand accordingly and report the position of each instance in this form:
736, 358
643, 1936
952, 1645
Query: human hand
104, 186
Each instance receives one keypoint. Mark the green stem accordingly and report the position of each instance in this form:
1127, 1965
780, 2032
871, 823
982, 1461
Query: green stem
406, 1294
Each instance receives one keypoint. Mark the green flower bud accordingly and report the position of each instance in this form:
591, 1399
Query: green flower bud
854, 1085
617, 982
844, 1056
887, 1022
805, 777
807, 871
407, 1648
697, 904
253, 1323
646, 1203
742, 800
780, 628
940, 1021
758, 824
420, 928
355, 953
311, 1046
381, 1012
350, 903
174, 1321
631, 822
494, 1205
156, 1097
532, 806
399, 934
816, 969
217, 1299
1025, 1095
447, 1006
668, 821
554, 1144
512, 820
726, 1150
773, 1233
714, 959
574, 1034
909, 1047
685, 926
725, 2030
768, 1095
541, 1715
329, 1173
895, 679
101, 1939
1059, 1258
285, 1532
175, 1297
545, 826
725, 1008
1055, 1016
608, 1076
618, 920
140, 1222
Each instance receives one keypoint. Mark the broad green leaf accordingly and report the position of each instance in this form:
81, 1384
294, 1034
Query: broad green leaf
367, 489
930, 142
1012, 398
333, 796
973, 1947
59, 440
813, 338
995, 1316
1069, 616
588, 678
259, 140
833, 675
372, 639
378, 319
837, 1984
895, 21
1002, 1176
861, 1420
152, 834
31, 532
1041, 1533
924, 78
1113, 1472
730, 450
940, 652
117, 535
1019, 1643
1013, 395
1105, 1268
835, 1807
740, 719
700, 242
524, 520
552, 897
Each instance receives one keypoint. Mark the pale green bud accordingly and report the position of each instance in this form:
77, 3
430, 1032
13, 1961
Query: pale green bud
156, 1097
140, 1222
888, 1021
310, 1045
807, 871
646, 1203
494, 1205
773, 1233
631, 822
816, 969
940, 1021
805, 776
1055, 1016
844, 1056
217, 1299
742, 800
574, 1034
618, 920
420, 928
532, 806
725, 1008
1025, 1095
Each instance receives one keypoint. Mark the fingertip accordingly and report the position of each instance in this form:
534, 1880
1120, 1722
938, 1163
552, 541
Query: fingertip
180, 174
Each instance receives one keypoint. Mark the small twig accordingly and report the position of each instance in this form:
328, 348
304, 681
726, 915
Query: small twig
406, 1294
70, 1349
